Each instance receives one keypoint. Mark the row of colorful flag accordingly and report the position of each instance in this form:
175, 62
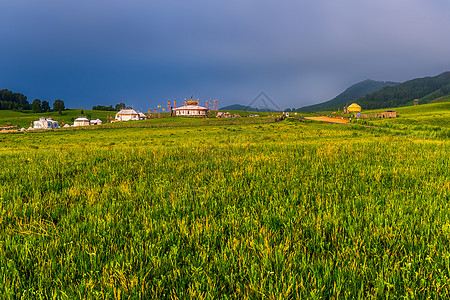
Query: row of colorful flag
184, 103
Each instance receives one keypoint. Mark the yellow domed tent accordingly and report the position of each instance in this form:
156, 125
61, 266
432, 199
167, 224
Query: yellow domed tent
354, 108
192, 102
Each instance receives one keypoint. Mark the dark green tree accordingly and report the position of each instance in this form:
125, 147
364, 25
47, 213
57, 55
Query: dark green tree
14, 101
45, 106
58, 105
104, 108
120, 106
36, 106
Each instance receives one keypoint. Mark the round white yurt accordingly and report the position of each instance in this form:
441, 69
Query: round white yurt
191, 109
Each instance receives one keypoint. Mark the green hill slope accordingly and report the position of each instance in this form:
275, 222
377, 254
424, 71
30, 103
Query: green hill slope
24, 119
441, 99
429, 120
426, 89
355, 91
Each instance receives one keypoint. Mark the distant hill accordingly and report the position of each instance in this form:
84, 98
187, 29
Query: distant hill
357, 90
244, 108
425, 89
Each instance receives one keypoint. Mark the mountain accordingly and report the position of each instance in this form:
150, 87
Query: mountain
425, 89
244, 108
357, 90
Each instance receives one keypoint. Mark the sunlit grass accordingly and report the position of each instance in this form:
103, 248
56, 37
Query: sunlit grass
271, 210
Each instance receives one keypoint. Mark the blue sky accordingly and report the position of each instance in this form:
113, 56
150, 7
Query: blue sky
145, 52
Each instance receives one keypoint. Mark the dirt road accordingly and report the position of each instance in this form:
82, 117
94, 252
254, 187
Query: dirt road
328, 119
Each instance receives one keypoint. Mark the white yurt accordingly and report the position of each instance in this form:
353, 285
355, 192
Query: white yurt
82, 121
191, 109
128, 114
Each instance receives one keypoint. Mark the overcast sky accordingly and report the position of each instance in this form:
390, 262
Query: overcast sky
143, 52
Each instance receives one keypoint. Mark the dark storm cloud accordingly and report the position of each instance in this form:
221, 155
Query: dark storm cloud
145, 52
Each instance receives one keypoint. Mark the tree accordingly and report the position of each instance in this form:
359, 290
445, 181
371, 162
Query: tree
14, 101
45, 106
36, 106
120, 106
58, 105
102, 107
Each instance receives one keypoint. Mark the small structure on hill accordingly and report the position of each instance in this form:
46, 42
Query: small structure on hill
127, 114
81, 121
416, 102
388, 114
352, 108
44, 123
142, 116
385, 114
191, 109
96, 122
228, 115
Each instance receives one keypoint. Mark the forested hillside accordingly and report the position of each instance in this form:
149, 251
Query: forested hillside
355, 91
426, 89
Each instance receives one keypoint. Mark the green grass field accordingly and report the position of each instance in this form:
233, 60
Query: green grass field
431, 120
26, 118
285, 210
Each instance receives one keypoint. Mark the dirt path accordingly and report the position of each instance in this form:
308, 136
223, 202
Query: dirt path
329, 120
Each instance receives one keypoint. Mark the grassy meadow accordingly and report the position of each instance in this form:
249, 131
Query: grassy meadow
430, 120
238, 209
26, 118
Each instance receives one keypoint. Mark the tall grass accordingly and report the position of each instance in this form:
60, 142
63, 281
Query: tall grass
282, 210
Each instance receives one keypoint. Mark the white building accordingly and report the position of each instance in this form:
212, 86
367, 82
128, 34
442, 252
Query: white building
82, 121
96, 122
127, 115
142, 116
191, 109
44, 123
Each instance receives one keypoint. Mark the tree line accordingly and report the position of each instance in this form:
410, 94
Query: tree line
43, 106
17, 101
117, 107
13, 101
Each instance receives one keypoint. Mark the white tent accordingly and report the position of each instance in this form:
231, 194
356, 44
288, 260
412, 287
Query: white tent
82, 121
44, 123
96, 122
127, 115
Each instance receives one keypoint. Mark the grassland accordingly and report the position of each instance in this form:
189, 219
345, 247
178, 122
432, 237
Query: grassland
272, 210
26, 118
430, 120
